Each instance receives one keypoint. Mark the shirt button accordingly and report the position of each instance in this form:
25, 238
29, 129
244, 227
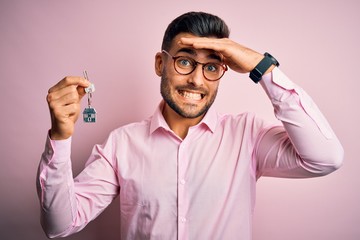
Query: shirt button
182, 181
182, 219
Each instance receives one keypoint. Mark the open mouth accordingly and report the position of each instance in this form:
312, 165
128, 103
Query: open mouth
191, 95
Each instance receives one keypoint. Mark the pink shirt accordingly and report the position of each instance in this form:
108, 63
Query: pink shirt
202, 187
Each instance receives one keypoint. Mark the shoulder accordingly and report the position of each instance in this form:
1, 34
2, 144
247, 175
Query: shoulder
134, 129
246, 123
244, 118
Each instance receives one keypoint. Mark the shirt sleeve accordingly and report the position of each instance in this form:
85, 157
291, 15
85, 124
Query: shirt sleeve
305, 146
68, 204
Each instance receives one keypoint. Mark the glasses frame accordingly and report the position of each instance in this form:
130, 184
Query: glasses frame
225, 68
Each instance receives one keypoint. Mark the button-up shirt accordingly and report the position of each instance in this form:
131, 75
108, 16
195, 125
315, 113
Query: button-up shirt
199, 187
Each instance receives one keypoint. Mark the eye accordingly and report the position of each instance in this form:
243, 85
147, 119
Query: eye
212, 67
184, 62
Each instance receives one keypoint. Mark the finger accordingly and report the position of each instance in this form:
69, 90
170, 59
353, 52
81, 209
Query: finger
65, 95
220, 45
70, 81
64, 113
81, 91
201, 42
63, 120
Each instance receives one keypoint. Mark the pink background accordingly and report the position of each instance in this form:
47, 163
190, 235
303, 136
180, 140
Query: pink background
316, 42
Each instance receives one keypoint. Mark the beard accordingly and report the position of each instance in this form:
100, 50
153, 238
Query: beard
190, 110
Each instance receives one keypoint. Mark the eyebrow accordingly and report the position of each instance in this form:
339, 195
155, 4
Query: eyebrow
192, 51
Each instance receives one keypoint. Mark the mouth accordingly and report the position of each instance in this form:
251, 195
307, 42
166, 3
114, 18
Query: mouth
191, 95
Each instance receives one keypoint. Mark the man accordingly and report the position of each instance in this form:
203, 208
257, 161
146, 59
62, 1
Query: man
186, 172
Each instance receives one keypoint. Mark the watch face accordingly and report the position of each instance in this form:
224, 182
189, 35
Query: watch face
274, 61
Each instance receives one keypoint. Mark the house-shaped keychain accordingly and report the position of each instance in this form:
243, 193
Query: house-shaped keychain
89, 115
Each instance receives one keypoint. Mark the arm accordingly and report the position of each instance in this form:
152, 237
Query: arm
67, 205
305, 146
54, 179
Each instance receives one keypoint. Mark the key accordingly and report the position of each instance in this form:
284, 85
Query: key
90, 89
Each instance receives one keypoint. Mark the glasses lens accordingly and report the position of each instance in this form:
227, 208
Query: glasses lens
184, 65
213, 71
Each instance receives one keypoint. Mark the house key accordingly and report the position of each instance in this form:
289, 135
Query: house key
89, 113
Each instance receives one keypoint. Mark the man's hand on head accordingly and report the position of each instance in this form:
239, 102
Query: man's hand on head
238, 57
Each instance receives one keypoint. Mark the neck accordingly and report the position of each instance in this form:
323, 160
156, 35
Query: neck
178, 124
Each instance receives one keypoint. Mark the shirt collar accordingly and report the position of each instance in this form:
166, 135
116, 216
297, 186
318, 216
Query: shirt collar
158, 120
210, 119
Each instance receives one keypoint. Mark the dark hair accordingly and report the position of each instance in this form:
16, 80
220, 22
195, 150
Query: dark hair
197, 23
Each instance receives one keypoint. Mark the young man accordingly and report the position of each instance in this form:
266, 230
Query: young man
186, 172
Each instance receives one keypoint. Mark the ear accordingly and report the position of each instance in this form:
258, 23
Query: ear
158, 64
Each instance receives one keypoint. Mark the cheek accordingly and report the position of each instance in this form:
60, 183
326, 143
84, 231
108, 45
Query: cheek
213, 88
175, 80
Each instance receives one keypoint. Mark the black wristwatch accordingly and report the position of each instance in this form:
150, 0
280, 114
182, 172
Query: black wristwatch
257, 73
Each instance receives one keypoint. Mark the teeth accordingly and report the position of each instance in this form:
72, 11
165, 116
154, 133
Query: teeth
194, 96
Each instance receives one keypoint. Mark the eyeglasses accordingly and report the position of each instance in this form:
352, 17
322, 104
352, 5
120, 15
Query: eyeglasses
185, 65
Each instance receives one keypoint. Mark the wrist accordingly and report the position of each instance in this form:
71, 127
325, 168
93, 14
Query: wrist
56, 135
270, 69
265, 66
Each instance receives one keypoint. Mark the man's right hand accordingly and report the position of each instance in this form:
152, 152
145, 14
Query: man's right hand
64, 104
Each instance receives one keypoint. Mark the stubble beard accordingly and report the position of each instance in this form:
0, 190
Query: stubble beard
186, 111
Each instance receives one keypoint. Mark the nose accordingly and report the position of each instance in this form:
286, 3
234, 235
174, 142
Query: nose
197, 78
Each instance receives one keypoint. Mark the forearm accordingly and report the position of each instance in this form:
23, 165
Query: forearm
67, 204
309, 146
55, 187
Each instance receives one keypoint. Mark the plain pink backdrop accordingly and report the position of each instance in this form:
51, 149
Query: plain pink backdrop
316, 42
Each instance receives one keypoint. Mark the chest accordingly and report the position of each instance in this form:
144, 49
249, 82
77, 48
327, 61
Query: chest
160, 170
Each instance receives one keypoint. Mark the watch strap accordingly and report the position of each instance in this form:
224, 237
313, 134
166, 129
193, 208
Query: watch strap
259, 70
